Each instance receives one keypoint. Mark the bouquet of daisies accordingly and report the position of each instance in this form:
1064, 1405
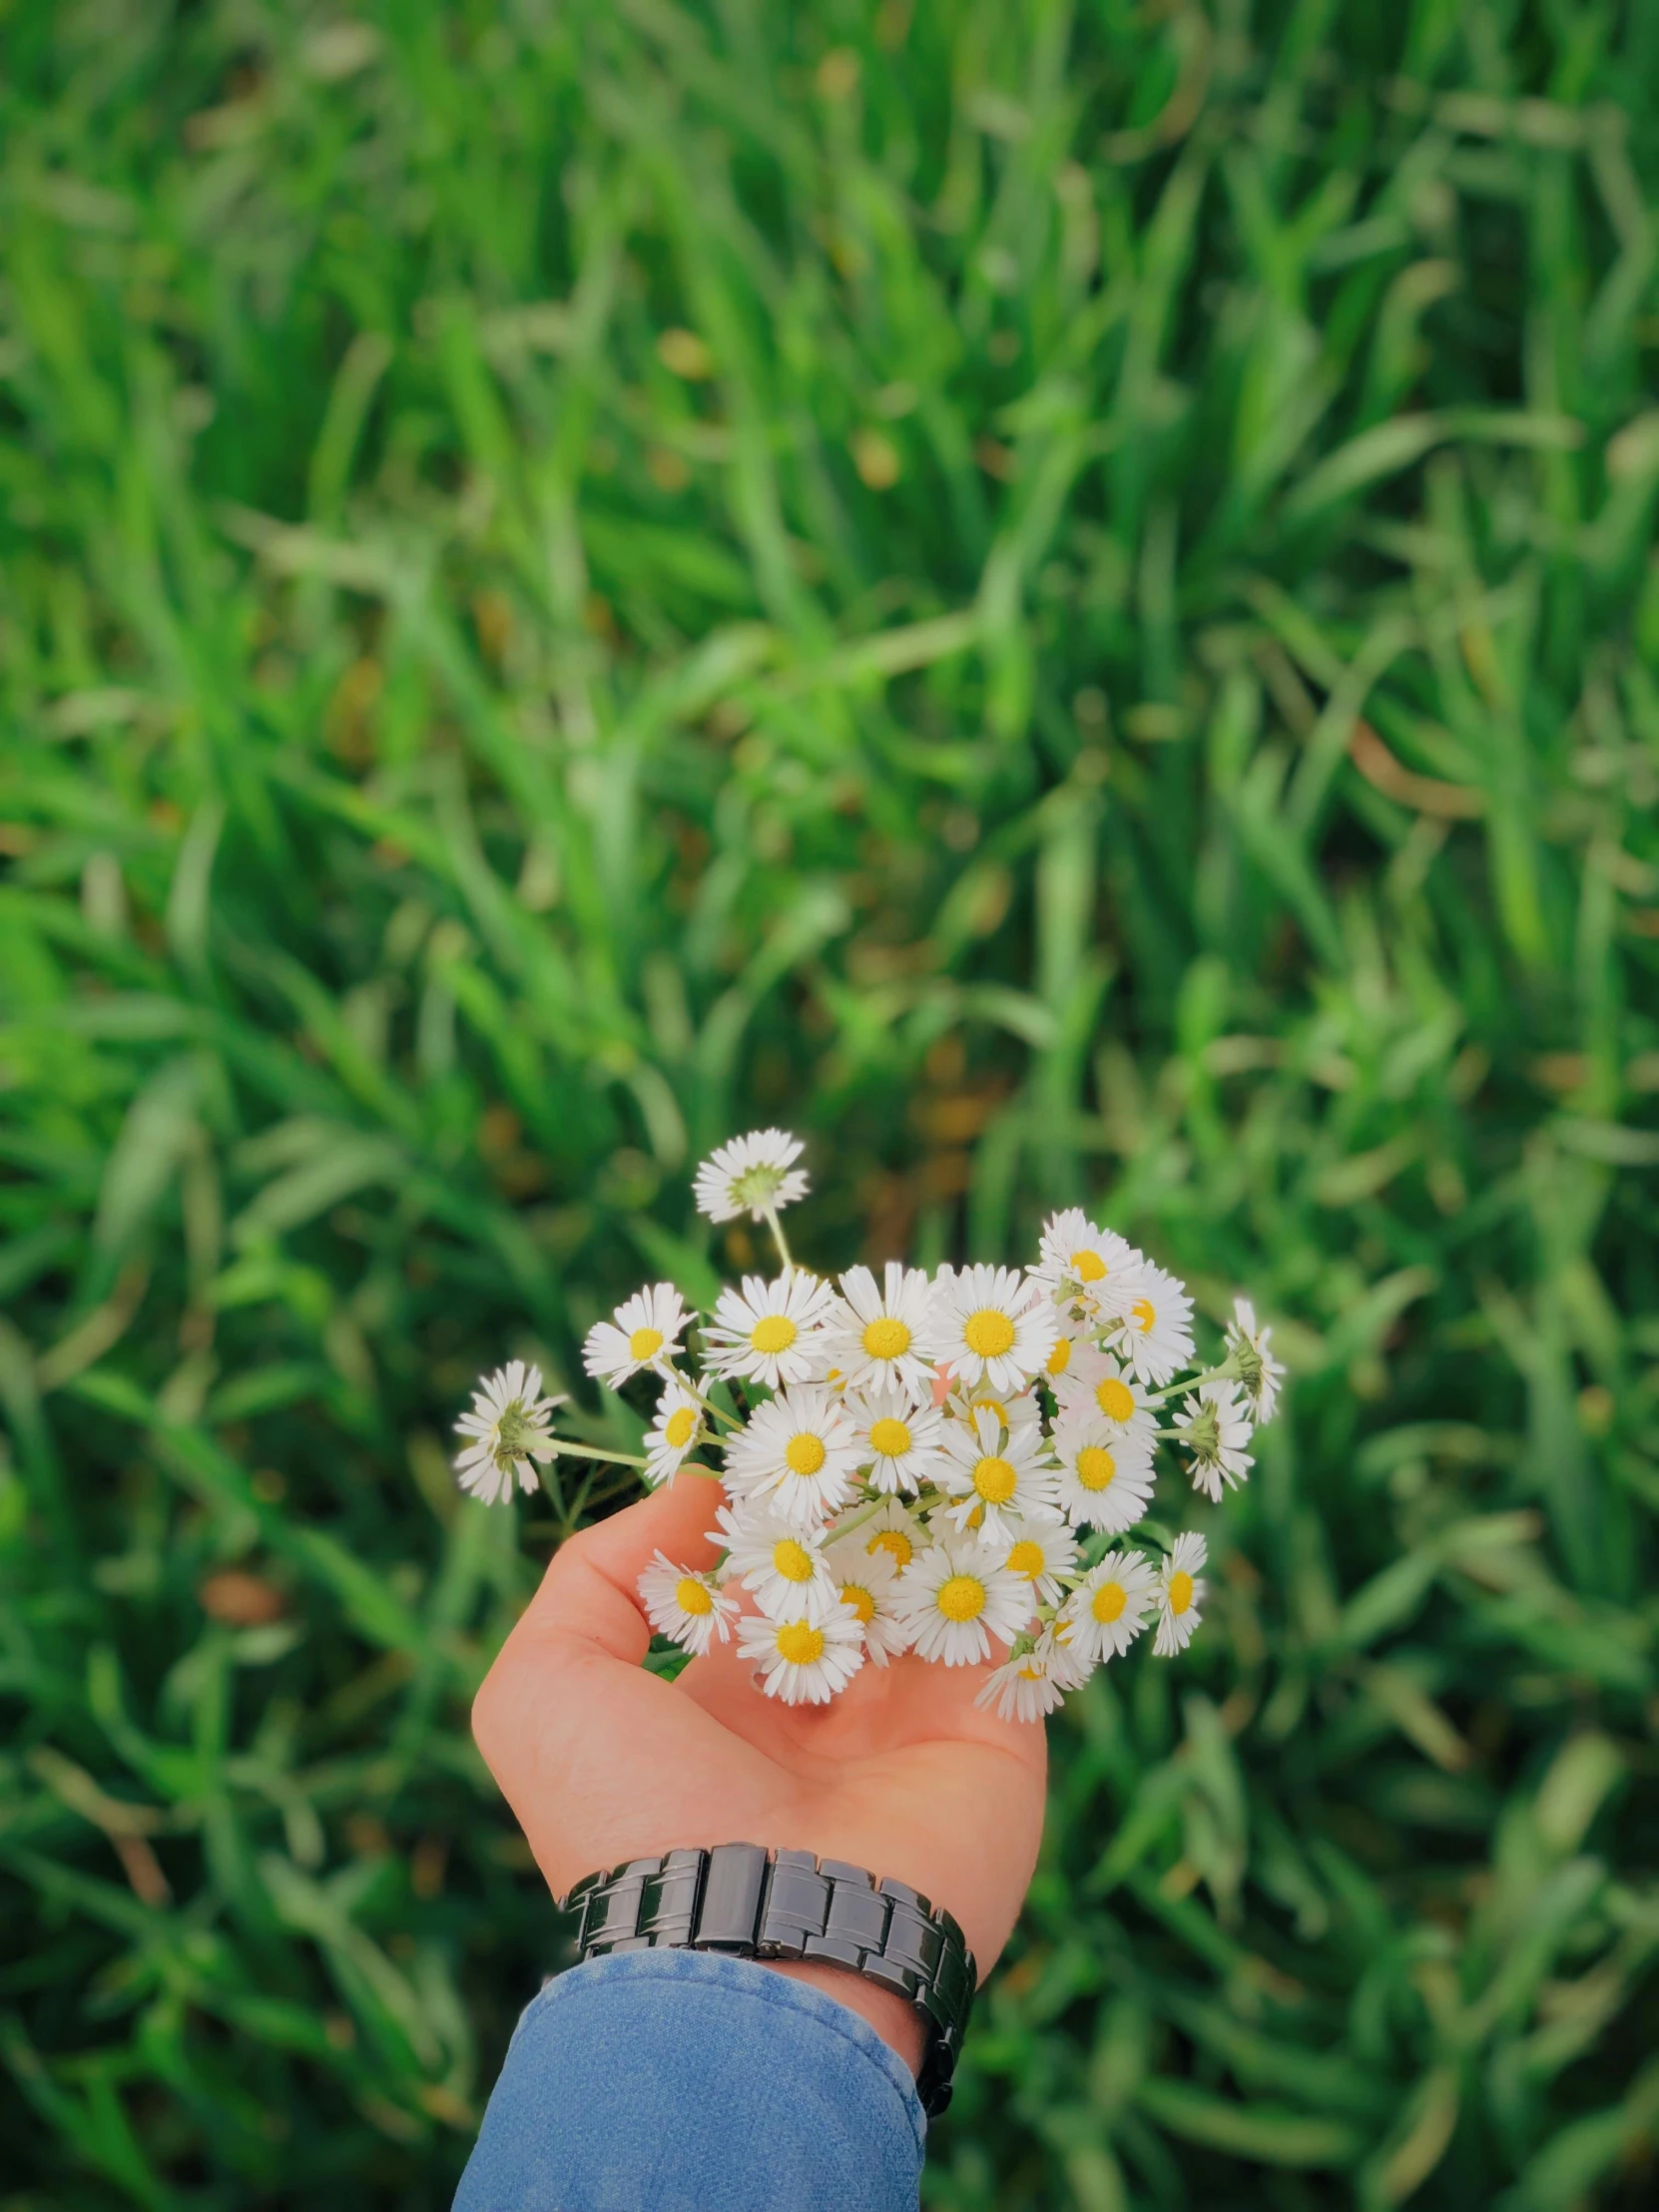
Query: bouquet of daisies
938, 1465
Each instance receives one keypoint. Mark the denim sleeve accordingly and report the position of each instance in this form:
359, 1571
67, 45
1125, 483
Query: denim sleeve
685, 2082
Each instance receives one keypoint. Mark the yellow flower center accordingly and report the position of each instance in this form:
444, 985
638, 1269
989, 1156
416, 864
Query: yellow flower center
860, 1600
677, 1430
962, 1598
804, 1453
896, 1542
799, 1645
991, 1406
988, 1333
1115, 1399
1026, 1558
693, 1596
772, 1332
1088, 1267
645, 1343
1108, 1602
1180, 1590
1095, 1466
995, 1480
888, 1438
886, 1339
791, 1560
1060, 1357
1030, 1673
1144, 1314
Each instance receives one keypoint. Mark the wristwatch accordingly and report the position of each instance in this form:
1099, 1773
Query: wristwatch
757, 1904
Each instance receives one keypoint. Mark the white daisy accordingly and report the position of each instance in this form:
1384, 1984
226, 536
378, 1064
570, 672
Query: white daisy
676, 1430
798, 1452
642, 1334
1214, 1425
1259, 1371
804, 1662
1180, 1593
1099, 1385
1108, 1609
998, 1475
1154, 1338
510, 1424
685, 1607
1014, 1410
898, 1440
771, 1333
751, 1175
989, 1324
1070, 1341
954, 1596
1043, 1550
784, 1565
1057, 1648
868, 1579
1076, 1256
893, 1531
874, 1331
1106, 1479
1022, 1689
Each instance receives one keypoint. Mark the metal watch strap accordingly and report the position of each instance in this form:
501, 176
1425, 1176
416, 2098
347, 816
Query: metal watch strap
757, 1904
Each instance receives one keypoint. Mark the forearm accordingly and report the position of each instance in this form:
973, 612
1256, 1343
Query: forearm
682, 2082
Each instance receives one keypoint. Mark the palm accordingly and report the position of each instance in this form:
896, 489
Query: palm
603, 1762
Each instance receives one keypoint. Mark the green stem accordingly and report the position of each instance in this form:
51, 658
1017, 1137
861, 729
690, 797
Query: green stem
1227, 1372
924, 1499
858, 1520
663, 1367
707, 1405
570, 1449
777, 1228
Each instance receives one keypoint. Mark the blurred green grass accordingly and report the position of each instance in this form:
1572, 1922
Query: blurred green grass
1061, 598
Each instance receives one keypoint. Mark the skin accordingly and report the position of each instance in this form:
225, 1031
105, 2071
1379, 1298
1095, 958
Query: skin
602, 1761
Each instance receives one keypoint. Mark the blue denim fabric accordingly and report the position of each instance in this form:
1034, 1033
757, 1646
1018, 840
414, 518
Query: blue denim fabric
684, 2081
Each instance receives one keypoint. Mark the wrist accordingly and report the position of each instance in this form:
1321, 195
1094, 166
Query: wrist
893, 2017
787, 1907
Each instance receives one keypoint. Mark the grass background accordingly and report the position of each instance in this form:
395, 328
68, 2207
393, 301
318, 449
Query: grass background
1060, 597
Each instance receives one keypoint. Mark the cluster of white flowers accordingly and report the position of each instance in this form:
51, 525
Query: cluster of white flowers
937, 1465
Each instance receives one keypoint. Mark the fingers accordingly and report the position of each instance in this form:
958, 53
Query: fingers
589, 1594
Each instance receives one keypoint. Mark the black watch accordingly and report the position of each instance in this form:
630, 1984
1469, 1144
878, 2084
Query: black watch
757, 1904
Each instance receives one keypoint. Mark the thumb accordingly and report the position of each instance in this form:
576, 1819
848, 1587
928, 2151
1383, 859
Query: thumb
590, 1592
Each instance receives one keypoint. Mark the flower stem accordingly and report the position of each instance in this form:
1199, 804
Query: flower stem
1194, 1381
570, 1449
707, 1405
777, 1228
867, 1513
927, 1497
664, 1368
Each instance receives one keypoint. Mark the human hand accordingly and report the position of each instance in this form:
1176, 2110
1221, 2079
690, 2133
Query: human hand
603, 1762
